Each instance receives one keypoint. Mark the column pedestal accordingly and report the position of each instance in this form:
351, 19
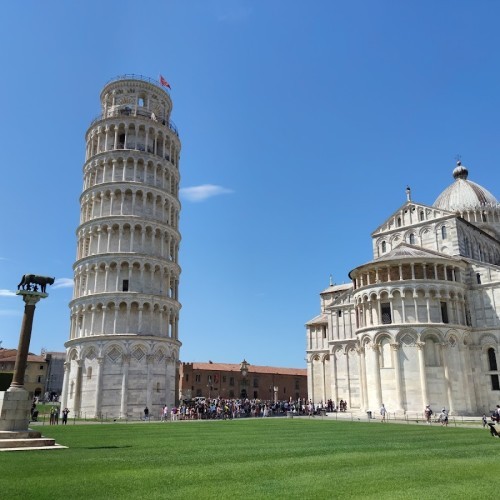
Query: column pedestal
15, 407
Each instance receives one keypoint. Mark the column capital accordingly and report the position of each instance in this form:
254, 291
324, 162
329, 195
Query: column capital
420, 345
31, 298
395, 346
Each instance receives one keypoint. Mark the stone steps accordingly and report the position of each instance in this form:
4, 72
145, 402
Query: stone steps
26, 440
26, 443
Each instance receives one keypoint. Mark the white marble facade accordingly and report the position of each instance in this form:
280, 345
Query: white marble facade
420, 323
123, 350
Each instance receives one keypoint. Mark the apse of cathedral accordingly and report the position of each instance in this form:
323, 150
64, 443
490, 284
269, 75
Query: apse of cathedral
418, 324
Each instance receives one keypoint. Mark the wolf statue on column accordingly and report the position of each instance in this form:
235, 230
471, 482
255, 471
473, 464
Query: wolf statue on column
32, 279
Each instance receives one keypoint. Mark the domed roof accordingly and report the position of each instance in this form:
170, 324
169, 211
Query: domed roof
464, 194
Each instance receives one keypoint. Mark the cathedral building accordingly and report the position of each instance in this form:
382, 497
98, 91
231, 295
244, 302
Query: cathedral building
419, 324
123, 350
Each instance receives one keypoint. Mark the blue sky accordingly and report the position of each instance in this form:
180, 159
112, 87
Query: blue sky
306, 120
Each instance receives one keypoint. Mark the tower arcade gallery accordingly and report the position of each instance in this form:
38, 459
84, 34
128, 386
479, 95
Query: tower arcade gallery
420, 323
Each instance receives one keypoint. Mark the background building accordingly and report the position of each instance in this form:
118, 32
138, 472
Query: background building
420, 323
55, 373
241, 381
124, 348
35, 375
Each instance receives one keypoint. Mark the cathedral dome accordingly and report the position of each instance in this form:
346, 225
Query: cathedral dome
464, 194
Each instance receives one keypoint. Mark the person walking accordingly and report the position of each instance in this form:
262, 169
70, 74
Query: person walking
383, 412
428, 413
443, 417
146, 413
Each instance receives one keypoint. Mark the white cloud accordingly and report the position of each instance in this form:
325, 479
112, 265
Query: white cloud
202, 193
63, 283
7, 293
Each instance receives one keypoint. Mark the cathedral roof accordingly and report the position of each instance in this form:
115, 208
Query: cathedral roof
405, 250
337, 288
318, 320
464, 194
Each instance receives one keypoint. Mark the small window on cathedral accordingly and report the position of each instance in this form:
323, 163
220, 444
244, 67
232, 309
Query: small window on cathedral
421, 215
399, 222
340, 314
478, 278
412, 239
140, 101
483, 216
187, 377
324, 332
384, 247
157, 386
125, 286
492, 359
495, 384
444, 312
443, 232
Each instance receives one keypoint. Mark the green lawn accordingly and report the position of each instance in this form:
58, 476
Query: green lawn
261, 458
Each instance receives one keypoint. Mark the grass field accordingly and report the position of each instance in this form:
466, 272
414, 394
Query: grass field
256, 458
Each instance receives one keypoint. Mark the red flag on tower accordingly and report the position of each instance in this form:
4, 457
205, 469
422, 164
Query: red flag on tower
164, 82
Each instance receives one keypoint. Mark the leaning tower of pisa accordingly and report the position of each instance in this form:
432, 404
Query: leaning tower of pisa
123, 350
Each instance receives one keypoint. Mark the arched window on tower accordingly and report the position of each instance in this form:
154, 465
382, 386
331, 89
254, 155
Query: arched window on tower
384, 247
421, 215
399, 222
443, 232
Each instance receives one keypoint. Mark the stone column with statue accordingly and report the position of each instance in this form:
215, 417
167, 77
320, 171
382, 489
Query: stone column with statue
15, 402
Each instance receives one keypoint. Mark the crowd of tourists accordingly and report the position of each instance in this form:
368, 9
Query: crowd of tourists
218, 408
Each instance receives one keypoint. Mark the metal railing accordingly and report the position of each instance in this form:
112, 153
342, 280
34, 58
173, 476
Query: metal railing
142, 78
127, 111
